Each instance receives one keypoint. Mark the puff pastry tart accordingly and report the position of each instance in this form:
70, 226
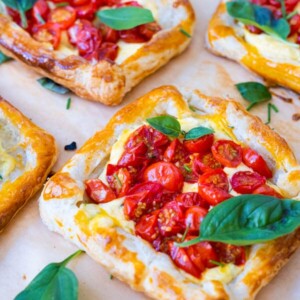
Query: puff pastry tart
71, 46
27, 154
262, 36
131, 193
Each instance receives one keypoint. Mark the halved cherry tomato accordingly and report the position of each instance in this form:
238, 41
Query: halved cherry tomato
245, 182
176, 152
267, 190
213, 186
295, 24
290, 5
86, 11
171, 219
48, 32
182, 260
40, 10
132, 36
167, 174
228, 153
98, 191
63, 16
190, 199
193, 218
79, 2
109, 35
147, 226
255, 161
230, 254
108, 51
205, 163
148, 30
200, 145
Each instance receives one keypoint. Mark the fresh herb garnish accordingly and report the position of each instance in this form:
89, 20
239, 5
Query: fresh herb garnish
118, 180
62, 4
260, 17
192, 108
170, 126
1, 178
123, 18
185, 232
270, 108
283, 8
55, 281
217, 263
111, 277
3, 58
52, 86
21, 6
249, 219
40, 18
185, 33
253, 92
71, 147
187, 168
68, 103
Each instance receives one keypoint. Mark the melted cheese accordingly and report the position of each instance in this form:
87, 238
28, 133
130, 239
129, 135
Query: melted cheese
7, 163
65, 46
224, 273
126, 50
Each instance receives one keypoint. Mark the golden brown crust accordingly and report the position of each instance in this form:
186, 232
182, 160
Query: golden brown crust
39, 156
223, 40
98, 231
103, 81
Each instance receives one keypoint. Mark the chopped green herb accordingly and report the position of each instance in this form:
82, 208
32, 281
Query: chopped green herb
118, 179
270, 108
68, 103
232, 127
192, 108
185, 33
111, 277
71, 147
62, 4
216, 263
187, 168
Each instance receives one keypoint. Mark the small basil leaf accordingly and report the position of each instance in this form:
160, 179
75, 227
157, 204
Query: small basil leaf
197, 132
53, 86
254, 92
55, 281
168, 125
125, 17
3, 58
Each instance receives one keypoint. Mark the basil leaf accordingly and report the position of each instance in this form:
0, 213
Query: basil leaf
168, 125
197, 132
254, 92
55, 281
3, 58
261, 17
125, 17
49, 84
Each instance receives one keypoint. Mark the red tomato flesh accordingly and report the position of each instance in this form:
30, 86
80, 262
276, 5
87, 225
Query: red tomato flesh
200, 145
63, 16
245, 182
98, 191
193, 218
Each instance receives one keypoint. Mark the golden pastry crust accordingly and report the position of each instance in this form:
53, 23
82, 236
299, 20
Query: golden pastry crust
103, 81
225, 39
34, 151
98, 230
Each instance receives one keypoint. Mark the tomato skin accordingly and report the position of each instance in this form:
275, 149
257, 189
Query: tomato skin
86, 11
65, 17
190, 199
148, 30
255, 161
109, 35
108, 51
167, 174
245, 182
175, 152
98, 191
79, 2
193, 218
295, 24
47, 32
267, 190
205, 163
230, 254
228, 153
147, 226
40, 8
200, 145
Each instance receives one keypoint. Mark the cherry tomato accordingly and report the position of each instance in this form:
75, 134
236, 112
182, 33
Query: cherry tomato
295, 24
148, 30
230, 254
254, 29
98, 191
213, 186
245, 182
205, 163
190, 199
290, 5
108, 51
228, 153
167, 174
176, 152
255, 161
182, 260
200, 145
171, 219
119, 179
48, 32
86, 11
109, 35
132, 36
63, 16
193, 218
79, 2
40, 10
267, 190
147, 226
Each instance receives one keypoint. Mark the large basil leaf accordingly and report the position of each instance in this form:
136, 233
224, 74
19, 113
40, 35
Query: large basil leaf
168, 125
197, 132
55, 281
49, 84
125, 17
3, 58
249, 219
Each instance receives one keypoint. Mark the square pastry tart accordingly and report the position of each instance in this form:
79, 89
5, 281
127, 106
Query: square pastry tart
27, 154
262, 35
159, 169
70, 45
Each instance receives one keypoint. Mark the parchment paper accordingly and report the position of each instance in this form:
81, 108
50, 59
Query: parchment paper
26, 245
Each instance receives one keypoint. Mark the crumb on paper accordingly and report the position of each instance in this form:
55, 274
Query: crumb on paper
24, 277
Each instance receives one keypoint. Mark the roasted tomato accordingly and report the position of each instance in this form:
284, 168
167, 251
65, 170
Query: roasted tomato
230, 253
108, 51
109, 35
79, 2
176, 152
205, 163
190, 199
267, 190
255, 161
98, 191
147, 226
167, 174
228, 153
86, 11
193, 218
63, 16
295, 24
200, 145
40, 10
213, 186
48, 32
245, 182
148, 30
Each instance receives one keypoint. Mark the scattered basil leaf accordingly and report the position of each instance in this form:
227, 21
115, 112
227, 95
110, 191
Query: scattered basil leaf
123, 18
55, 281
197, 132
187, 168
185, 33
3, 58
168, 125
270, 108
21, 6
52, 86
260, 17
